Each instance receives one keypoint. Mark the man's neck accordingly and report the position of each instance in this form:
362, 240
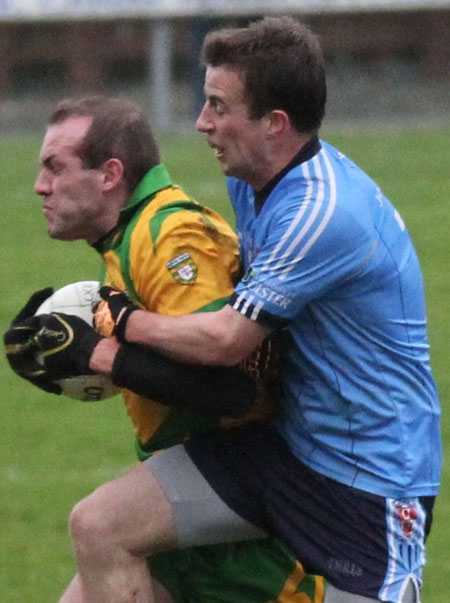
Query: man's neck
281, 155
306, 152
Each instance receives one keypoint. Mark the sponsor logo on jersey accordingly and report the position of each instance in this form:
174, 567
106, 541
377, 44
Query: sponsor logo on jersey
271, 296
183, 268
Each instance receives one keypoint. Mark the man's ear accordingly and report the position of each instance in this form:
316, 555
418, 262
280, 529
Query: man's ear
112, 171
277, 122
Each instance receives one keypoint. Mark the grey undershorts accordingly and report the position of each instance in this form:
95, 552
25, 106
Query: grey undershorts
201, 516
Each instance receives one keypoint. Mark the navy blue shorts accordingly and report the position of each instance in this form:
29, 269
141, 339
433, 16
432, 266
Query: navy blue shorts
361, 543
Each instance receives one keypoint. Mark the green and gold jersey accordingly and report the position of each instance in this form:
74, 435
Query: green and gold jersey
173, 256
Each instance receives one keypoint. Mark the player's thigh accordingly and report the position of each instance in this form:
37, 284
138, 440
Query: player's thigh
130, 512
200, 516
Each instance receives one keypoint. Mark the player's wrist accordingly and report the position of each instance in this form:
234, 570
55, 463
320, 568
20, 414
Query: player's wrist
120, 330
103, 356
131, 330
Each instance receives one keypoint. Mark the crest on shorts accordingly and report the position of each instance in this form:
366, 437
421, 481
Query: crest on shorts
407, 516
183, 268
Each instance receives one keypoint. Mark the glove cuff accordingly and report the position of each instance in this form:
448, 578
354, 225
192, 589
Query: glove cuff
85, 351
121, 324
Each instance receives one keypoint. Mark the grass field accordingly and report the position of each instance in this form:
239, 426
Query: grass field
54, 450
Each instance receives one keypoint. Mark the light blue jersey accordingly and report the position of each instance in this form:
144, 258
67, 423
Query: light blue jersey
329, 257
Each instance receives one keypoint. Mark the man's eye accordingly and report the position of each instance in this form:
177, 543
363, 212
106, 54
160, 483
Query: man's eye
219, 108
56, 168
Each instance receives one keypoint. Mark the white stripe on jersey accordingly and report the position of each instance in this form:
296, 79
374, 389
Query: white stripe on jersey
298, 217
310, 221
238, 302
278, 258
247, 304
326, 218
256, 310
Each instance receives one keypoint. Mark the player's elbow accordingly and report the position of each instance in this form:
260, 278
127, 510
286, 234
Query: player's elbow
232, 337
227, 349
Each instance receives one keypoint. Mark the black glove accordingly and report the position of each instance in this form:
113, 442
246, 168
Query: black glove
116, 311
19, 348
32, 305
63, 344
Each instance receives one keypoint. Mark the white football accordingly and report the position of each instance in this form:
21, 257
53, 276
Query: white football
79, 298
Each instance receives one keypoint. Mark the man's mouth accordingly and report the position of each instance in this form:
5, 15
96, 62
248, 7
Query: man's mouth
218, 152
47, 210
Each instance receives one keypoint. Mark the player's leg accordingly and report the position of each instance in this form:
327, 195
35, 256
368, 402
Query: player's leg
113, 530
158, 505
74, 593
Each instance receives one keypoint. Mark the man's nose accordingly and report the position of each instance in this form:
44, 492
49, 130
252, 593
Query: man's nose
204, 123
42, 184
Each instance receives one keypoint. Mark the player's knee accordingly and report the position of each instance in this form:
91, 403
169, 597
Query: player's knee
90, 527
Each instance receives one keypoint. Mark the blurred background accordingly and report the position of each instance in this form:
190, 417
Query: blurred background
386, 59
388, 66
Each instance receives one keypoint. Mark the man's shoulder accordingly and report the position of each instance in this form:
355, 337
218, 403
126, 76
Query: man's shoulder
165, 203
172, 213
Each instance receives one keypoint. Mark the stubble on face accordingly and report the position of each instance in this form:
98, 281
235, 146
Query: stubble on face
70, 192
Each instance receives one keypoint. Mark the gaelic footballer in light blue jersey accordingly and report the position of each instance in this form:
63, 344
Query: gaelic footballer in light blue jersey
327, 255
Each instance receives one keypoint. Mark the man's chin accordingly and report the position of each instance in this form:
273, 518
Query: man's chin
226, 169
58, 235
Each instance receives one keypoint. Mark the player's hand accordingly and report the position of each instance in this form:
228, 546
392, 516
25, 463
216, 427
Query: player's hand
32, 305
19, 348
112, 314
63, 345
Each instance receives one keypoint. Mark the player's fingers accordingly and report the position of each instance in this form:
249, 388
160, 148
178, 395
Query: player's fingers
32, 304
103, 321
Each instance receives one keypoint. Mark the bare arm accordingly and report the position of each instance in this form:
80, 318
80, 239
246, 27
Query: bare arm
224, 390
224, 338
215, 338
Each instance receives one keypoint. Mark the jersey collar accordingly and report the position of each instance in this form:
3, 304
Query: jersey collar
306, 152
154, 180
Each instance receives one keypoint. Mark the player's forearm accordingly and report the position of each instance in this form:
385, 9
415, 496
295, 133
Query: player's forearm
193, 344
223, 338
194, 338
180, 338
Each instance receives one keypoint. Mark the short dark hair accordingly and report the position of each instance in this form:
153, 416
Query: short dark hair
282, 66
119, 129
